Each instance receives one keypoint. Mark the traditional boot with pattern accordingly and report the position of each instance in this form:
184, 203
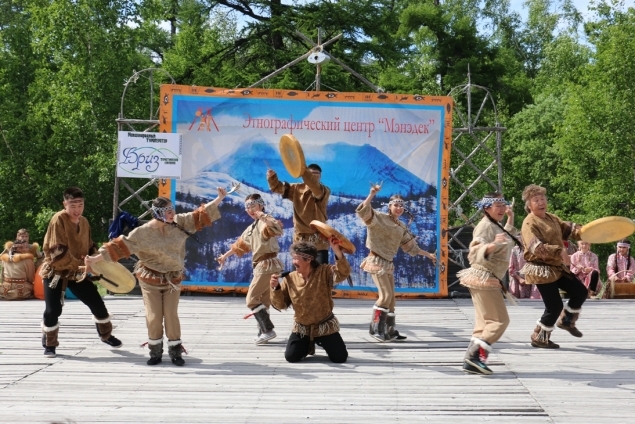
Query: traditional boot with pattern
104, 329
264, 322
49, 339
541, 337
175, 350
393, 334
567, 320
156, 351
378, 328
475, 361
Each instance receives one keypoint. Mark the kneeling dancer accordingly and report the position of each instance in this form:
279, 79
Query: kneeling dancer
386, 234
160, 247
309, 290
548, 267
489, 254
261, 239
66, 243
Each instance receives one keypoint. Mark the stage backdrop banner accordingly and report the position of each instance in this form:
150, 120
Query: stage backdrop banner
232, 136
148, 155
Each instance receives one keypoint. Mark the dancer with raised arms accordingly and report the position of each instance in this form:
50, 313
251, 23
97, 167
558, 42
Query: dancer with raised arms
160, 247
386, 234
261, 238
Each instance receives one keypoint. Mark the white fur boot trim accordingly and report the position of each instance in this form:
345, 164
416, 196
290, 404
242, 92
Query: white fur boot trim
102, 321
174, 342
571, 310
154, 342
482, 343
379, 308
391, 314
544, 327
259, 308
49, 329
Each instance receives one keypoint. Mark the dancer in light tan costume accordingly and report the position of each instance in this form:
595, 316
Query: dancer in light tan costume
261, 239
386, 234
309, 203
489, 254
19, 262
160, 247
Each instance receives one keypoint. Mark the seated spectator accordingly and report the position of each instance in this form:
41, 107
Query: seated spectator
18, 267
585, 265
517, 285
621, 266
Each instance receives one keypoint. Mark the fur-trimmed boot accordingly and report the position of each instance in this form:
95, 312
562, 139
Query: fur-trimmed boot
175, 350
390, 328
264, 322
541, 337
156, 351
378, 324
475, 361
104, 329
49, 339
567, 320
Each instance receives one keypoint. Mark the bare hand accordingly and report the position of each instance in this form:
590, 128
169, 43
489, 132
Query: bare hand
273, 281
334, 241
430, 256
509, 211
221, 192
270, 173
565, 257
587, 270
221, 260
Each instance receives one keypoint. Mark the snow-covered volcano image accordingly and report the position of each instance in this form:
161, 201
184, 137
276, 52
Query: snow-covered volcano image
347, 170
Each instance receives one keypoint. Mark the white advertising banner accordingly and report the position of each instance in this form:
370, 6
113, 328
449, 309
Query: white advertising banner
149, 155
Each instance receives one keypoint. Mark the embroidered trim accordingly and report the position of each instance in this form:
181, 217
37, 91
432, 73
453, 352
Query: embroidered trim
543, 271
375, 264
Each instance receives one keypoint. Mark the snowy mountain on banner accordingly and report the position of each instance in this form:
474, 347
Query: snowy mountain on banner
346, 169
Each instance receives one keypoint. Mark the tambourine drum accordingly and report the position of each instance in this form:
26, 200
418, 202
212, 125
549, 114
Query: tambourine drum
114, 277
327, 232
608, 229
292, 155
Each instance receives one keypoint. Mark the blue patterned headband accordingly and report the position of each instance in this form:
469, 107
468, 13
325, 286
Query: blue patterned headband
487, 202
251, 202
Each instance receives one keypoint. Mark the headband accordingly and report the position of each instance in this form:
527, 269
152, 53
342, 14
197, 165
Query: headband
303, 255
487, 202
161, 211
623, 245
251, 202
398, 202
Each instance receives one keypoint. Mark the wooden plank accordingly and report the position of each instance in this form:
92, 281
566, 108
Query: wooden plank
229, 379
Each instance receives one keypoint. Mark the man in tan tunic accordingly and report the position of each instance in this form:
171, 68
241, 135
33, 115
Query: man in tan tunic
309, 290
261, 239
66, 243
309, 203
548, 267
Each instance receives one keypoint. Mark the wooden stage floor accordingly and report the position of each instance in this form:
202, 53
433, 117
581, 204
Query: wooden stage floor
228, 379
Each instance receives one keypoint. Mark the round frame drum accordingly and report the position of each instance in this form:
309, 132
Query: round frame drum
327, 232
607, 229
292, 155
114, 276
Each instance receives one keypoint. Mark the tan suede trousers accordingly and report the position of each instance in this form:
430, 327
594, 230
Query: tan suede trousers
259, 291
161, 305
491, 318
386, 290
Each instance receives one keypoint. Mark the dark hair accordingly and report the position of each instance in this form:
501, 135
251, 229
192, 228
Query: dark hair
308, 249
628, 255
254, 196
493, 194
161, 202
73, 193
315, 166
23, 231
